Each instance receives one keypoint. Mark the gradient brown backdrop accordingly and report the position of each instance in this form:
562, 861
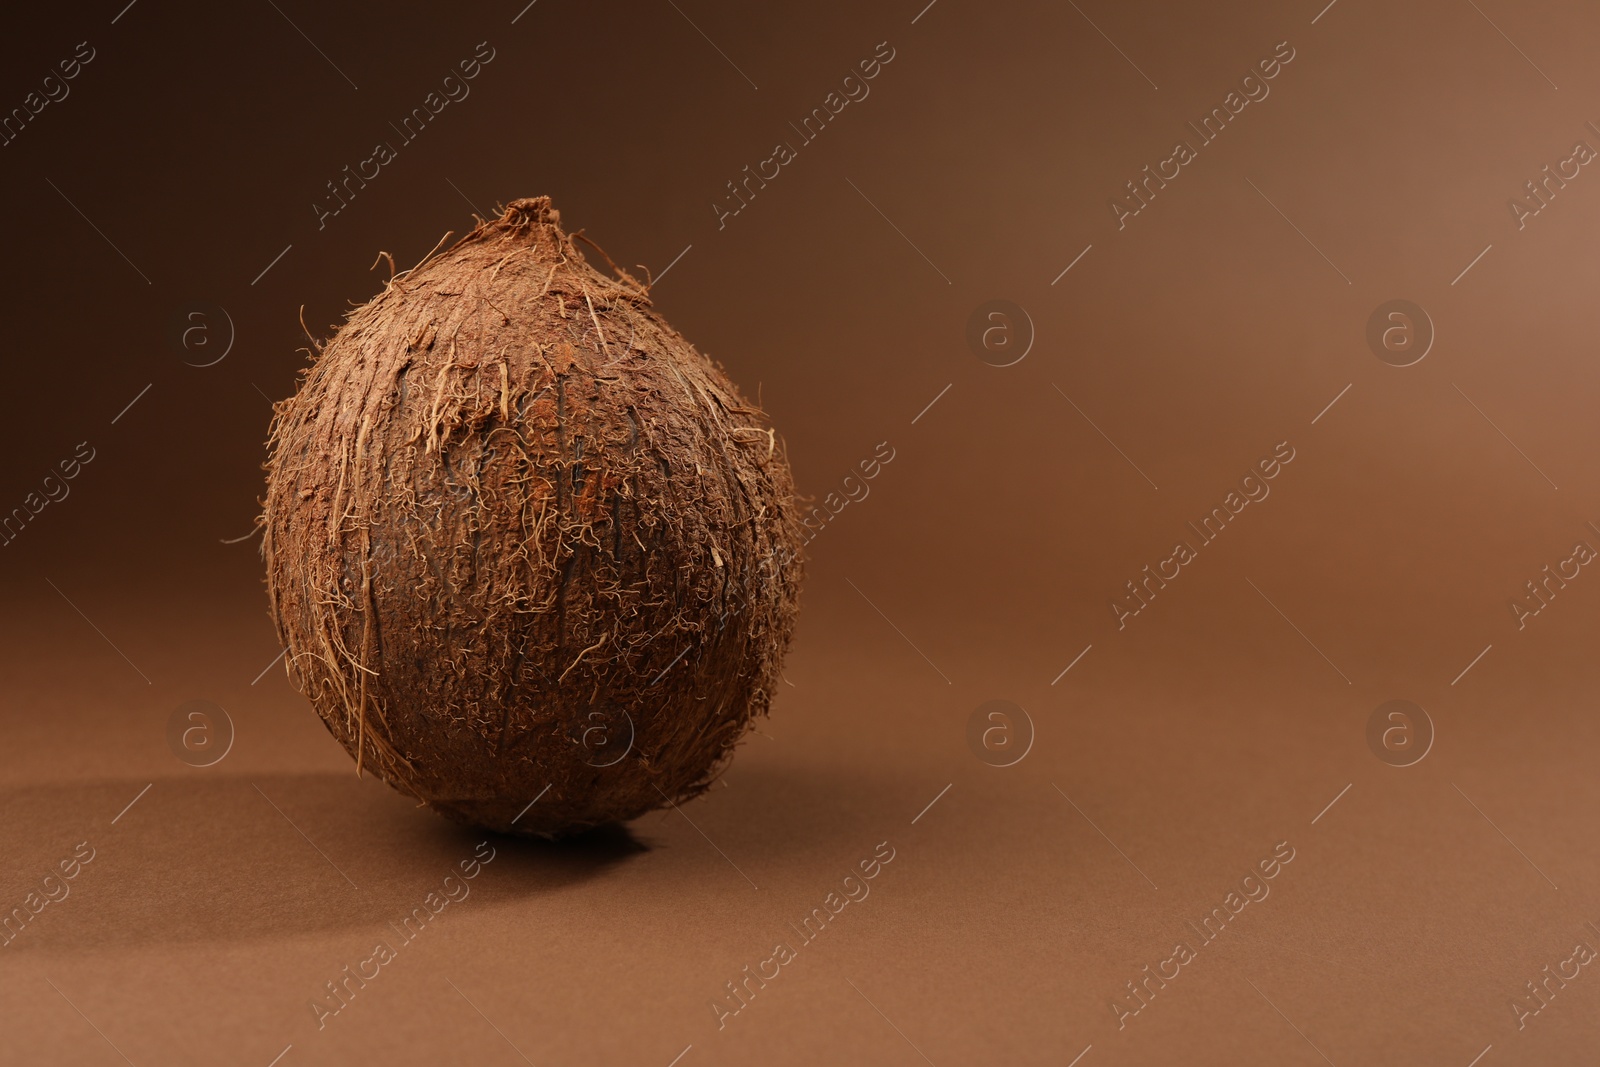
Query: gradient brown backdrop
1176, 753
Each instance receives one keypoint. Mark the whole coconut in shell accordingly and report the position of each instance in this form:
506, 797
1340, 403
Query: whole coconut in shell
525, 543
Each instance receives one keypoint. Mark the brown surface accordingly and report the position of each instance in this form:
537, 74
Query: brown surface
1168, 762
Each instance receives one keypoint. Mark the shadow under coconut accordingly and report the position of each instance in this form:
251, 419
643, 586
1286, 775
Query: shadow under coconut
220, 859
777, 819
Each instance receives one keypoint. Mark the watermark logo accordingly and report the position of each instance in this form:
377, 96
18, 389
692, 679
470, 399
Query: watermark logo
201, 333
605, 735
1400, 733
1000, 333
1400, 333
200, 733
1000, 733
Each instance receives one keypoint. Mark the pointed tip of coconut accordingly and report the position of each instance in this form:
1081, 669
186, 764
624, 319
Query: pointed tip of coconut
529, 217
529, 210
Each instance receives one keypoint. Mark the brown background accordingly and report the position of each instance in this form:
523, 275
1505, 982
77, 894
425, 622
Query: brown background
1219, 722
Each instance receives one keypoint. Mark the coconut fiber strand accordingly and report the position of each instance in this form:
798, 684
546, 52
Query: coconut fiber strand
515, 526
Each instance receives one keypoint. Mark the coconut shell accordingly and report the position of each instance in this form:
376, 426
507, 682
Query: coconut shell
535, 560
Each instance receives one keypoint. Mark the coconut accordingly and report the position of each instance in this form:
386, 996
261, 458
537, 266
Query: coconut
535, 559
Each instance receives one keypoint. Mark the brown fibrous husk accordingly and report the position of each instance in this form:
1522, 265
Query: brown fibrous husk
509, 506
